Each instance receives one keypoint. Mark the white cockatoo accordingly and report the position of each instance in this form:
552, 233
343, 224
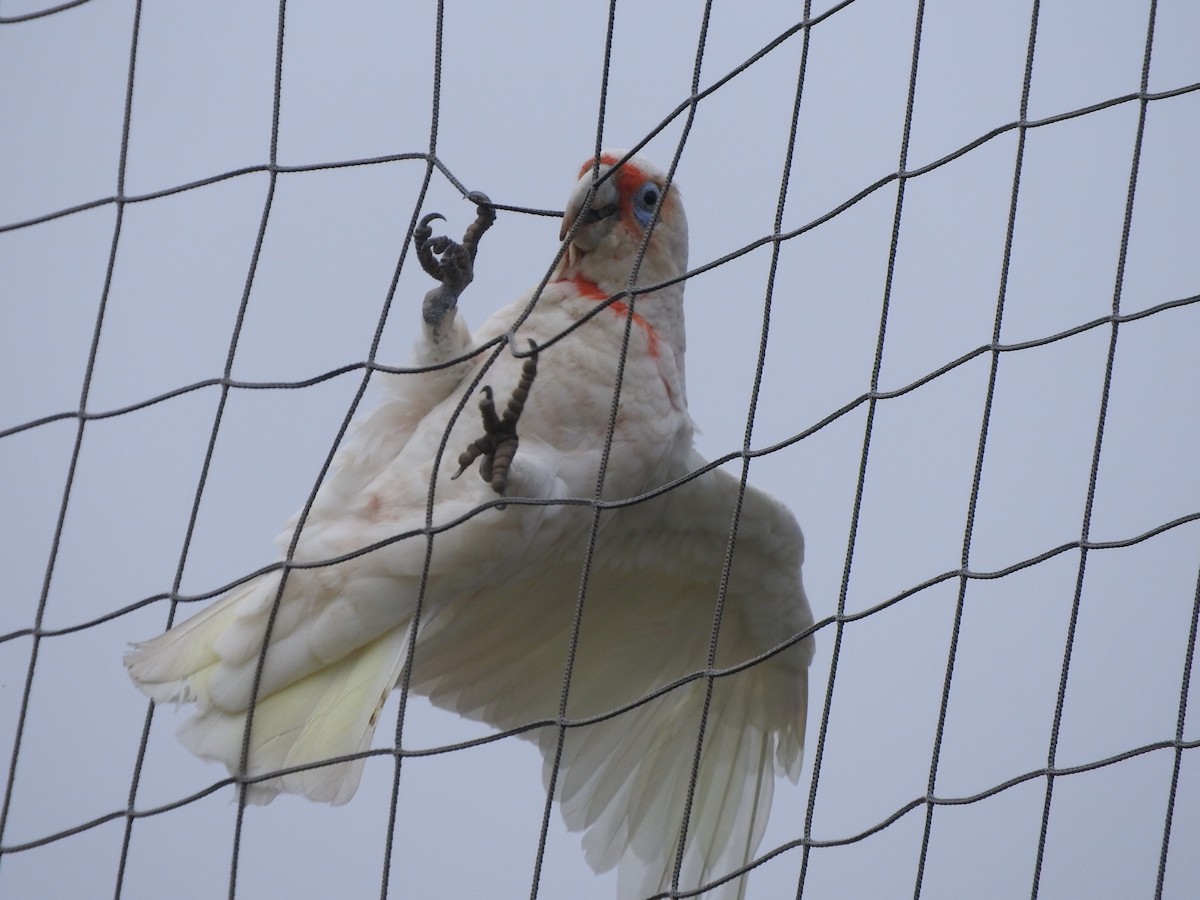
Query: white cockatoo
496, 601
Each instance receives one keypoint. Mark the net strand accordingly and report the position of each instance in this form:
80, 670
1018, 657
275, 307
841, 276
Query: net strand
860, 487
1177, 763
977, 475
610, 430
41, 13
842, 841
260, 237
397, 751
144, 738
406, 673
986, 137
981, 350
60, 522
1093, 475
760, 363
585, 573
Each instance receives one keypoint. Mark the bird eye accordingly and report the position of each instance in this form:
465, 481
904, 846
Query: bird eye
645, 199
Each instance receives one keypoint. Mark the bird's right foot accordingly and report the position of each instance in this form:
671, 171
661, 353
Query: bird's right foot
450, 262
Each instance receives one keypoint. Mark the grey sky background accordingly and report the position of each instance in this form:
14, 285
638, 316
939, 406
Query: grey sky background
520, 93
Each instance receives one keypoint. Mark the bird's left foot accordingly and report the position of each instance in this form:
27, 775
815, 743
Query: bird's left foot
498, 445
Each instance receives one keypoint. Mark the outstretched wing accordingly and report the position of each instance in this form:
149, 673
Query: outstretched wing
339, 630
648, 618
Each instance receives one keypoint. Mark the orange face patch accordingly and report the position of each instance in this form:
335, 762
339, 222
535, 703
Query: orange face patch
606, 159
629, 178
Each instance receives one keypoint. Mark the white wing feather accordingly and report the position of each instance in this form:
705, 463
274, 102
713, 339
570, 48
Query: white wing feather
647, 621
337, 644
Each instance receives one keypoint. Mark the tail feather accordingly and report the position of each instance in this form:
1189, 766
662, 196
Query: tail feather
332, 712
345, 616
320, 691
175, 666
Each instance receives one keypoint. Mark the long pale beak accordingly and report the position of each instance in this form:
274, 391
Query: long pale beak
605, 205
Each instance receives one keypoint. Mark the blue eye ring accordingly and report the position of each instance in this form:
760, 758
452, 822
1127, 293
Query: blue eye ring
645, 200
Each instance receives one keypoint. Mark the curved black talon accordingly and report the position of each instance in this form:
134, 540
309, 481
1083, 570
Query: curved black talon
498, 445
421, 237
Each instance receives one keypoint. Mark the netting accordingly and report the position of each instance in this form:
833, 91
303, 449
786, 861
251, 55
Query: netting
943, 302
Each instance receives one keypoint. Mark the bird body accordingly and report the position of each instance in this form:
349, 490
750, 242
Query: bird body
499, 592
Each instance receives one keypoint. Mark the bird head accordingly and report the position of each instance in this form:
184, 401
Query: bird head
609, 231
